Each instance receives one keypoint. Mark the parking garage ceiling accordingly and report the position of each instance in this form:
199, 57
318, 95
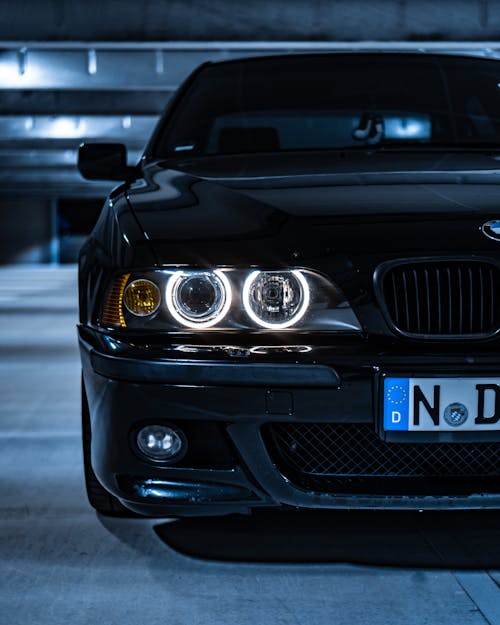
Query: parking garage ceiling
246, 20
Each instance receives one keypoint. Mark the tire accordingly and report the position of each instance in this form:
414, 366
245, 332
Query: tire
98, 497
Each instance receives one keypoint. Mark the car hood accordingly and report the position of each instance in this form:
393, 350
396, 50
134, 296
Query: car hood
299, 207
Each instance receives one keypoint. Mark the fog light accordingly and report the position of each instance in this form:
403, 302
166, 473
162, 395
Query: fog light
160, 442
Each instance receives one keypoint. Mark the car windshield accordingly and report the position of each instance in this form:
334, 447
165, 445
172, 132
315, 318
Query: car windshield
333, 102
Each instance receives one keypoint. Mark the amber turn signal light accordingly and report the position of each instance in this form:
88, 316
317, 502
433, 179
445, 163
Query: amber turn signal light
112, 314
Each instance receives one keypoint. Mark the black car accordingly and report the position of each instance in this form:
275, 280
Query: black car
293, 300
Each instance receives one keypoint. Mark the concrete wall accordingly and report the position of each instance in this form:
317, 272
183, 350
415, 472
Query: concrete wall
212, 20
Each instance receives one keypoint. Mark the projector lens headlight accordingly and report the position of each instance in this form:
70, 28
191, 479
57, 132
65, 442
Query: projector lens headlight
142, 298
276, 299
198, 299
230, 299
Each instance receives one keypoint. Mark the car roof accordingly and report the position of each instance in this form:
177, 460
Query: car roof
379, 53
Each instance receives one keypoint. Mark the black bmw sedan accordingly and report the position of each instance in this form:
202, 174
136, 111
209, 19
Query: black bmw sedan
293, 300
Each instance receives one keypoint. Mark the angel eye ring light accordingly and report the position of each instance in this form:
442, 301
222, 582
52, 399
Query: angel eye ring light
198, 299
276, 299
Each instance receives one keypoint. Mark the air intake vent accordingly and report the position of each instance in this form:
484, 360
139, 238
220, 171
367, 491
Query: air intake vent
449, 299
351, 458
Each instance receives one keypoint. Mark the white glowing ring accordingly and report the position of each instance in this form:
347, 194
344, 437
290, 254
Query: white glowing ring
285, 324
191, 323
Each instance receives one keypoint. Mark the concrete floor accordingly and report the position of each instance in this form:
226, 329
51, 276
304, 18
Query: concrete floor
61, 564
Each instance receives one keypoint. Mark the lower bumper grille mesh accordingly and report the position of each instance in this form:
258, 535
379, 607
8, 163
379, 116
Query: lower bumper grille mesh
330, 456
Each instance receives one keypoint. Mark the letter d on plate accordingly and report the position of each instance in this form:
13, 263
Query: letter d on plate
396, 417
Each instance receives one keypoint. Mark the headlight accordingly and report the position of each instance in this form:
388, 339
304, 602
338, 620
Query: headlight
142, 298
226, 299
276, 299
198, 299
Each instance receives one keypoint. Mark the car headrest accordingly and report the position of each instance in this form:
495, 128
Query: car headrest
249, 139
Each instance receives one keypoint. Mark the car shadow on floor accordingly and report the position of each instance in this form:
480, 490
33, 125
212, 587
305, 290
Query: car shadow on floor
429, 539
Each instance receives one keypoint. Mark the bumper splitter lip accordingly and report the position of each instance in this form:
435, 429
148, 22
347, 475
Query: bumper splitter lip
172, 498
182, 492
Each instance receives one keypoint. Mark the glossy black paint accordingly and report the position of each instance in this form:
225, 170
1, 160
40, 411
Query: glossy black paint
97, 161
342, 214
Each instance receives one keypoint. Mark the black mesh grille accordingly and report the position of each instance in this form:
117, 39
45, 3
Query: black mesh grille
329, 456
443, 298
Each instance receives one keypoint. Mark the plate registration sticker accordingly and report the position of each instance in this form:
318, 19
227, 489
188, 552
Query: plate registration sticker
441, 404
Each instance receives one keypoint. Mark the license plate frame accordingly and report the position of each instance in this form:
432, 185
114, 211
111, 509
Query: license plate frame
467, 430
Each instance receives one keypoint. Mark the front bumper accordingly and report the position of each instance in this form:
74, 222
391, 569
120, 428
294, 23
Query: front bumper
127, 390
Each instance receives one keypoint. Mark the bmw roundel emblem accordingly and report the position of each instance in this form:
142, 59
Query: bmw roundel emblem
492, 229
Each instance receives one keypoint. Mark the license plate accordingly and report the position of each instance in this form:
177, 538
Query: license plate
441, 404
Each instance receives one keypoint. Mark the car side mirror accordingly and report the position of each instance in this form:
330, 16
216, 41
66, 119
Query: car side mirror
105, 161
